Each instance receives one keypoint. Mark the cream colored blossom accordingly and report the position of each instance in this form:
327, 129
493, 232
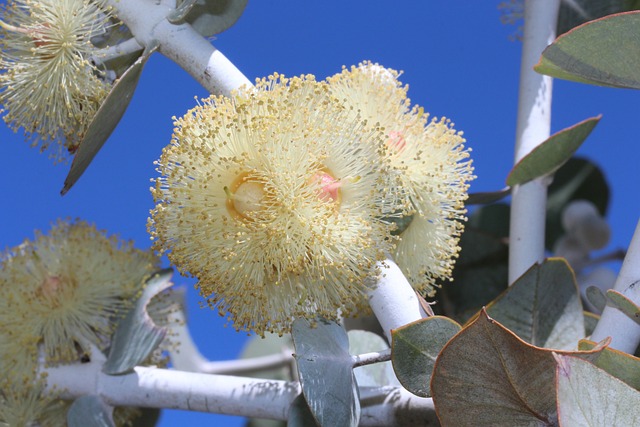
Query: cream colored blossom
28, 407
64, 290
50, 89
431, 161
271, 199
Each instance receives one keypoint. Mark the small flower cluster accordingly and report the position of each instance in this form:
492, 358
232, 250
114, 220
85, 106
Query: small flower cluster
50, 88
63, 294
262, 198
283, 199
429, 158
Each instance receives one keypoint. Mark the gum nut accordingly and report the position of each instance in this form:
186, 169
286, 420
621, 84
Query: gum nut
576, 212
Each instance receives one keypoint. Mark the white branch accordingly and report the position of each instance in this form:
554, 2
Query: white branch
624, 331
528, 206
126, 47
181, 43
373, 357
185, 356
393, 300
248, 397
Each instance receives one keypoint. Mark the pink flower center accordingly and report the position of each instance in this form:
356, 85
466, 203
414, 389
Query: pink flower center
51, 287
329, 187
396, 140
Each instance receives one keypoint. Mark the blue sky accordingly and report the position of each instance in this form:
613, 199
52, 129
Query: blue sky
457, 59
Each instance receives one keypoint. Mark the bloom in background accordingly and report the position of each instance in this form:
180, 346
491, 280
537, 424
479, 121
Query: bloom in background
62, 291
26, 406
271, 199
49, 86
429, 158
29, 405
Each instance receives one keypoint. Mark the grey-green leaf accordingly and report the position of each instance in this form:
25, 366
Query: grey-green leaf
209, 17
181, 11
376, 374
603, 52
588, 396
415, 348
486, 197
624, 304
325, 368
105, 120
590, 322
577, 12
543, 306
89, 411
596, 297
299, 414
137, 336
549, 156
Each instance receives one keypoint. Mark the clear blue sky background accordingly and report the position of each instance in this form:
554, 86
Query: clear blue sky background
457, 59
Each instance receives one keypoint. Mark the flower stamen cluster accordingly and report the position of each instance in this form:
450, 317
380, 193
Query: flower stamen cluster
272, 199
430, 161
49, 86
63, 292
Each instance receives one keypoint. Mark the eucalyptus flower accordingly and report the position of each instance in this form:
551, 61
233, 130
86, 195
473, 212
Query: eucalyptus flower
63, 291
432, 164
26, 406
49, 87
272, 200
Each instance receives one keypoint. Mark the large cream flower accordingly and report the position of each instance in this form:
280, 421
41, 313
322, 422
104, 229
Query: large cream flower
49, 86
27, 406
272, 200
62, 291
431, 161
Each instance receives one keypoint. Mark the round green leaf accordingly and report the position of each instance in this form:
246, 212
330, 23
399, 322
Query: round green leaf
89, 411
136, 335
487, 376
547, 157
375, 374
543, 306
414, 350
621, 365
603, 52
325, 368
588, 396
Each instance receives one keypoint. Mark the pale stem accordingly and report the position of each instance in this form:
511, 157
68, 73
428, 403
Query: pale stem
624, 331
393, 300
230, 395
126, 47
528, 205
370, 358
187, 357
181, 43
